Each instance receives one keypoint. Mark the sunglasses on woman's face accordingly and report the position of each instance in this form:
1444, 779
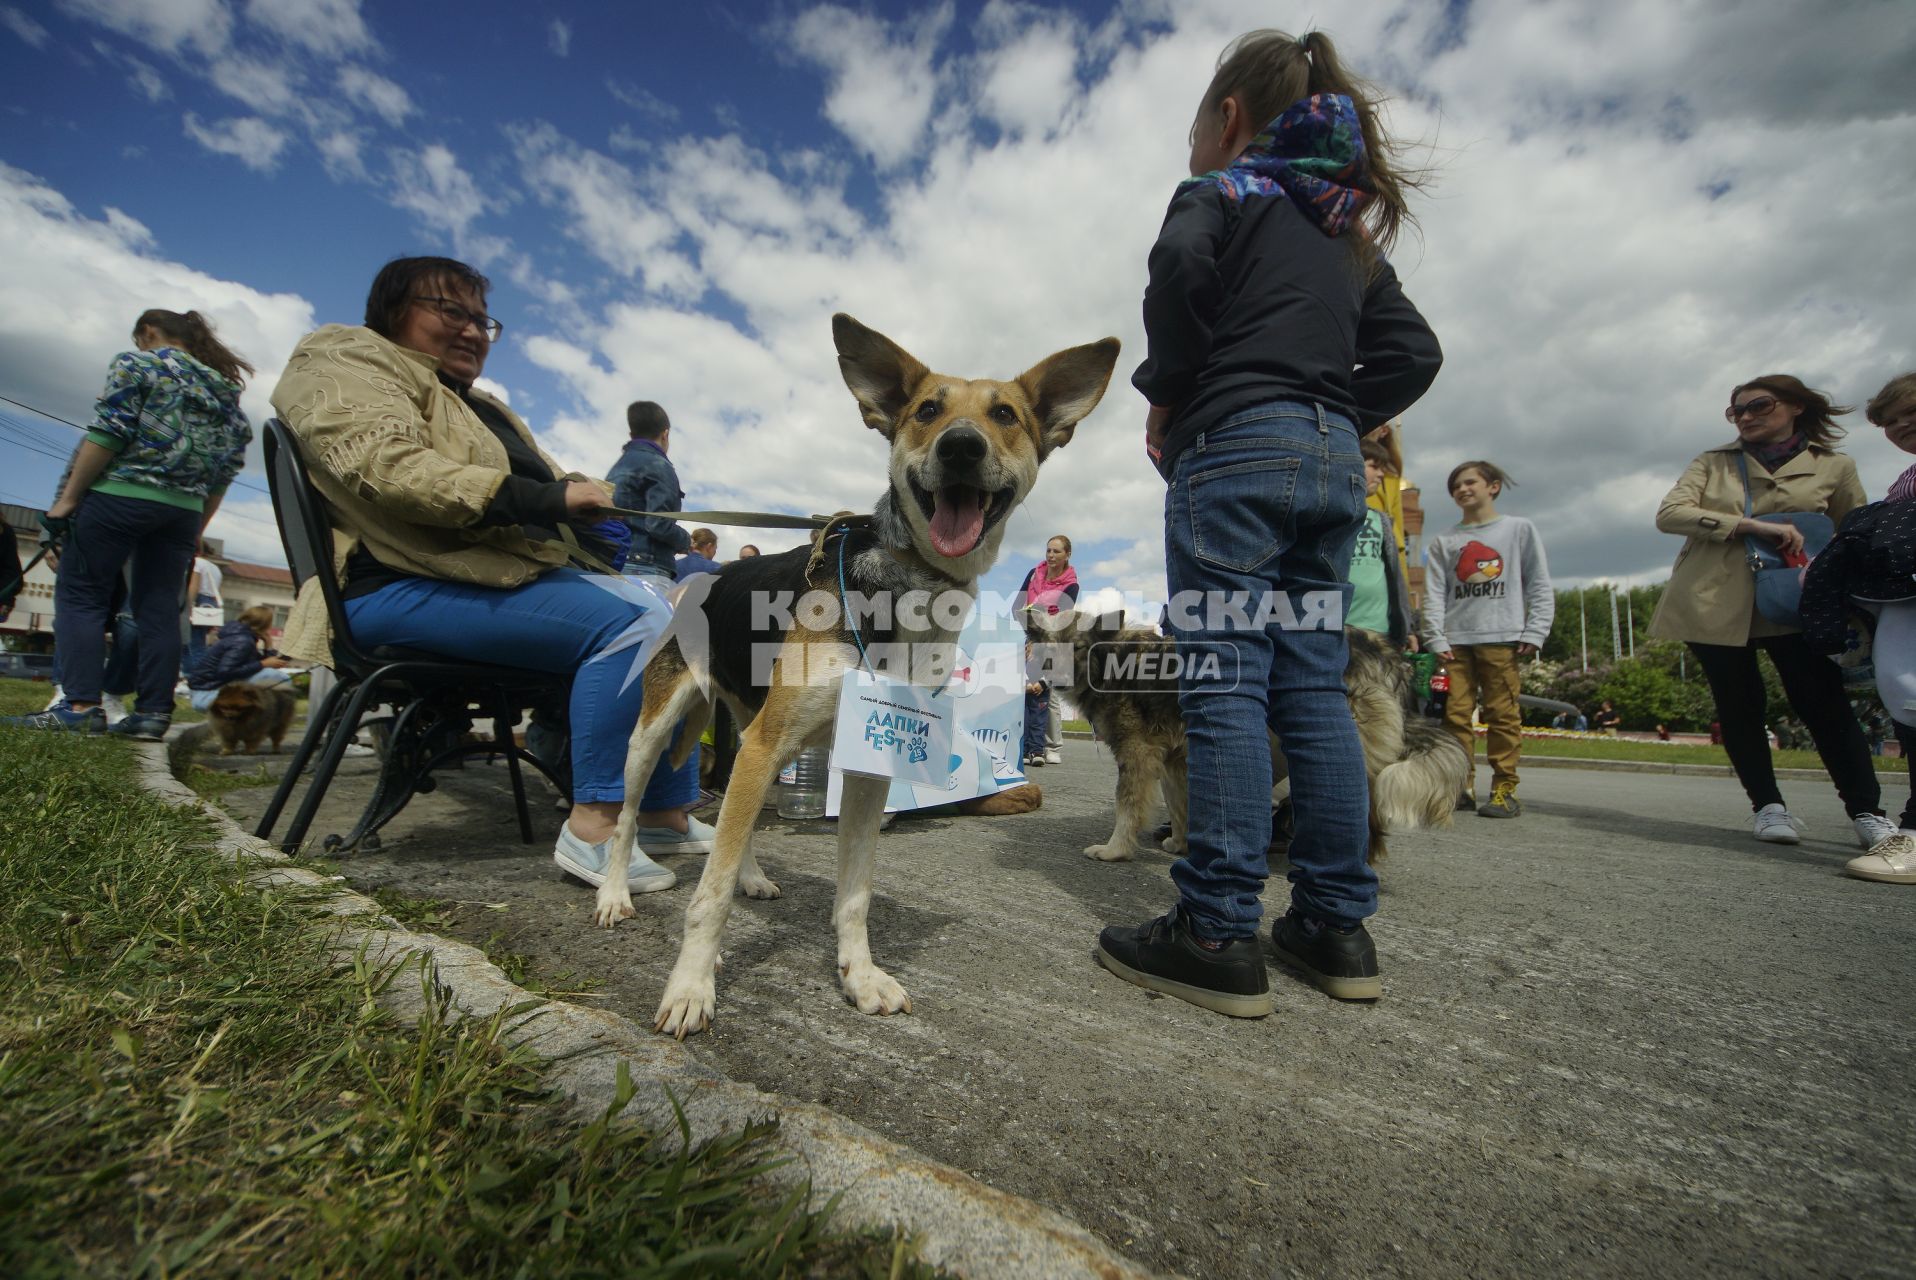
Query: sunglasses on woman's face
1756, 408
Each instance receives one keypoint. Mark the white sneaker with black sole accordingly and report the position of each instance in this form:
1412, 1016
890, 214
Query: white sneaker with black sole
1774, 825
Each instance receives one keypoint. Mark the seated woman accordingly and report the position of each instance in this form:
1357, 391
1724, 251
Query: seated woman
236, 654
447, 524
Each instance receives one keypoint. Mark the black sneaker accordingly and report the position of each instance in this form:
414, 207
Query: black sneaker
1340, 964
145, 728
1164, 956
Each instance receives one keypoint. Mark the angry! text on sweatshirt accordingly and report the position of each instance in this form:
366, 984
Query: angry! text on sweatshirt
1487, 584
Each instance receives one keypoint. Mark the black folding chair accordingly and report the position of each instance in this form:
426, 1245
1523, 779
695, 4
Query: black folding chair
434, 696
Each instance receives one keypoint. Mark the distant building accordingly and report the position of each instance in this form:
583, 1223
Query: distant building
1414, 543
30, 629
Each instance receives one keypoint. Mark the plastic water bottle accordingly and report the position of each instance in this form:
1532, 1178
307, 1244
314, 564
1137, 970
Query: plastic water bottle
804, 795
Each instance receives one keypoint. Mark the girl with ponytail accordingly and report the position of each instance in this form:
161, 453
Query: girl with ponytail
1278, 337
167, 439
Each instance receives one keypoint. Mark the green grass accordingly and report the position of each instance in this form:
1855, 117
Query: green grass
190, 1082
1655, 752
1677, 753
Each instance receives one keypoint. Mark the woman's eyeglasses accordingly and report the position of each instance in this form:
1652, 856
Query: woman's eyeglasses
1756, 408
459, 317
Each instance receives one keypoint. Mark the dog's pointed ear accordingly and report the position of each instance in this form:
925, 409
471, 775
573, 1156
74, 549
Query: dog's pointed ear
1108, 625
881, 374
1066, 387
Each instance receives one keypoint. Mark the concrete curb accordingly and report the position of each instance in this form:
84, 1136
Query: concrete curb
960, 1223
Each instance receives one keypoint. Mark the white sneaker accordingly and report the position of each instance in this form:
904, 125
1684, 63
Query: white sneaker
696, 838
114, 708
1775, 826
1892, 861
1052, 757
588, 862
1871, 828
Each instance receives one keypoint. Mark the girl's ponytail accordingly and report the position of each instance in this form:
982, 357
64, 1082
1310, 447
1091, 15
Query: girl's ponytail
1269, 71
192, 332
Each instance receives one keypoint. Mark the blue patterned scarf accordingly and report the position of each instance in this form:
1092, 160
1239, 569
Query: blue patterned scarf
1314, 153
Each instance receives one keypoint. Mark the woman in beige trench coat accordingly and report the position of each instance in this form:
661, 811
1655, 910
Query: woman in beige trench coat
1785, 438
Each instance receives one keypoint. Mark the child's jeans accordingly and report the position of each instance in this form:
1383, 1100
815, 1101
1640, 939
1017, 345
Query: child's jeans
1037, 715
1491, 674
1270, 501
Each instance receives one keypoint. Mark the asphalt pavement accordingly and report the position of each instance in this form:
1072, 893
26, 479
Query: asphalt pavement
1618, 1038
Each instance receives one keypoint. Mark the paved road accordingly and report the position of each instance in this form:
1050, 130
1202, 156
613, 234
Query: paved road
1618, 1037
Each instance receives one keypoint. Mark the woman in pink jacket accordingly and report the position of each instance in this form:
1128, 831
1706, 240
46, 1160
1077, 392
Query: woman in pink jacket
1050, 589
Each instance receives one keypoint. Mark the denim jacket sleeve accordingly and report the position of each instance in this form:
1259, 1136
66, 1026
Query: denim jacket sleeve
643, 480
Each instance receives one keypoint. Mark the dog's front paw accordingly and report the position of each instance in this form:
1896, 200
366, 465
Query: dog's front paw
1108, 853
1173, 844
613, 905
875, 991
756, 884
686, 1009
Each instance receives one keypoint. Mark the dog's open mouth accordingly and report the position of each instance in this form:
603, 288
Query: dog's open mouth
960, 514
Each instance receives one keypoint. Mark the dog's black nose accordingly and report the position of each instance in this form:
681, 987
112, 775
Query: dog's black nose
962, 446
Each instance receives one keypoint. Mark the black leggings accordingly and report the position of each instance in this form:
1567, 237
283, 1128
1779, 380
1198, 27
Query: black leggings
1814, 687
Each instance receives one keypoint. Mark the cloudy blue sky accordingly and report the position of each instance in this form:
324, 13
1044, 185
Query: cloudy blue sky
1637, 204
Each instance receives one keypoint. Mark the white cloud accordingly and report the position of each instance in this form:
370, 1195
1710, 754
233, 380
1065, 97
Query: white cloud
375, 93
884, 80
128, 229
327, 27
148, 81
74, 285
23, 26
559, 37
340, 151
249, 139
202, 24
608, 213
643, 101
266, 87
1027, 74
431, 184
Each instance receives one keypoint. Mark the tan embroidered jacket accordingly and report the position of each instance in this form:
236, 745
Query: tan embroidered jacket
407, 468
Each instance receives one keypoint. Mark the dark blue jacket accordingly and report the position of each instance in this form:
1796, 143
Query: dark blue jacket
692, 562
643, 480
233, 655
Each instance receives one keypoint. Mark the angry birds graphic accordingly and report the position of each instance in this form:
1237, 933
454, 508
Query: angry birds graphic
1478, 563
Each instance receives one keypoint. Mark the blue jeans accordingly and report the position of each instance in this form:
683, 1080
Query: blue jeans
1271, 500
561, 623
159, 541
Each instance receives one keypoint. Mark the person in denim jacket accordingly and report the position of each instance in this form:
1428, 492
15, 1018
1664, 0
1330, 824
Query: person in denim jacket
643, 480
1278, 336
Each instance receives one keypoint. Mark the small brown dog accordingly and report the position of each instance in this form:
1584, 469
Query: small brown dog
250, 714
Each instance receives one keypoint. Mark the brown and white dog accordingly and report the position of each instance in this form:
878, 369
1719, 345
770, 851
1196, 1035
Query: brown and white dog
1416, 769
964, 453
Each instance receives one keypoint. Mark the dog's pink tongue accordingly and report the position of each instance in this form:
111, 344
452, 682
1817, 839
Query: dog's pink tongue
957, 520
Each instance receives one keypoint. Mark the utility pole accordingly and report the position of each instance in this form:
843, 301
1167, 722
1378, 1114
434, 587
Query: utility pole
1583, 625
1616, 637
1630, 622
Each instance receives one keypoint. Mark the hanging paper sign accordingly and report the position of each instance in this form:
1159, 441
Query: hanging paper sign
891, 729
